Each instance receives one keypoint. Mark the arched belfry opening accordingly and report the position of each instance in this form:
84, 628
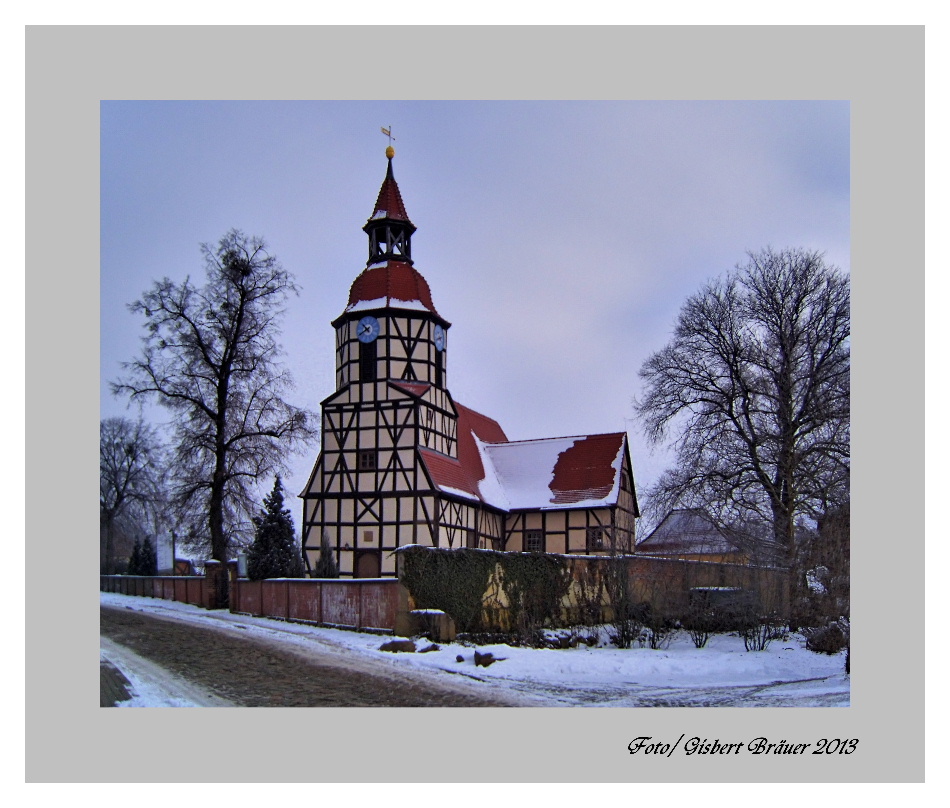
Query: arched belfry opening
389, 229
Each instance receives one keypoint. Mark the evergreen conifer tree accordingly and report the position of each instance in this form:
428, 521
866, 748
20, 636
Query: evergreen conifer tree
148, 560
326, 564
274, 552
135, 560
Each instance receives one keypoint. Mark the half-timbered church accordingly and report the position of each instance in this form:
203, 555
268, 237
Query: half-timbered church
403, 463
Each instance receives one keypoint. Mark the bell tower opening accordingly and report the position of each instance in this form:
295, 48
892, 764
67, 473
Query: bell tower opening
389, 229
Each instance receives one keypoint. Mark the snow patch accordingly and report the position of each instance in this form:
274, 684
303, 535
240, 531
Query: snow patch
723, 673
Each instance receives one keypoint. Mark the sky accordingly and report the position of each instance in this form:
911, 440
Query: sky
560, 239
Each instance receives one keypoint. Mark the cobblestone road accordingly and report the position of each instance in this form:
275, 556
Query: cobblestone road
250, 672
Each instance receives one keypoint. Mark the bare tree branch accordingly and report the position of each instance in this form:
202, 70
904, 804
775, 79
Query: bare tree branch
211, 357
755, 390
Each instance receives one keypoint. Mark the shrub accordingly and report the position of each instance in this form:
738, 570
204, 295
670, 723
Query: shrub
534, 586
699, 622
758, 635
326, 565
451, 580
629, 625
828, 639
660, 627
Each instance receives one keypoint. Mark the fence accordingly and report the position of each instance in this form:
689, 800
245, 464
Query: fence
365, 604
667, 582
191, 589
384, 604
368, 604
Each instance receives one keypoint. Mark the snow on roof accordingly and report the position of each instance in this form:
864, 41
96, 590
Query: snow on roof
572, 472
550, 473
387, 303
687, 530
393, 284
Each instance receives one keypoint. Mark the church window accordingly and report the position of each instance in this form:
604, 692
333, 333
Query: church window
368, 361
595, 538
534, 541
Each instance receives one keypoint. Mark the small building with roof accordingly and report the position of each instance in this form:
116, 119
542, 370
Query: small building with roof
403, 463
691, 534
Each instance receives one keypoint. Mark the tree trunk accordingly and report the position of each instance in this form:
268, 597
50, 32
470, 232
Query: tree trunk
110, 546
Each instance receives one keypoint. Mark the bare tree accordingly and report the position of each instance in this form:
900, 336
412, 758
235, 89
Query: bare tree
130, 481
211, 357
755, 387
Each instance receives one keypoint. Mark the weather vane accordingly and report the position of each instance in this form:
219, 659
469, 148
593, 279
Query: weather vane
390, 151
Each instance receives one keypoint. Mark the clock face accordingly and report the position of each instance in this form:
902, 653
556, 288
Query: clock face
368, 329
439, 335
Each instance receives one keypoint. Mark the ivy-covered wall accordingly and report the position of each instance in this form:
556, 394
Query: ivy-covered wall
489, 591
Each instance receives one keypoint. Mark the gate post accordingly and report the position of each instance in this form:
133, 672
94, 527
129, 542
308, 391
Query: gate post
216, 589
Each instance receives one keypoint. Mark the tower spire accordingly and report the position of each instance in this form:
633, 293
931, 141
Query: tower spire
389, 228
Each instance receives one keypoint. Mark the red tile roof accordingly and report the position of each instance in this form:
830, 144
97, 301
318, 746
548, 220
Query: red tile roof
545, 473
464, 473
393, 281
447, 472
586, 470
413, 388
389, 200
473, 424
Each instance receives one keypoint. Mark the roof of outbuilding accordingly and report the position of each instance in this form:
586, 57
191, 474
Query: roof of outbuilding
687, 530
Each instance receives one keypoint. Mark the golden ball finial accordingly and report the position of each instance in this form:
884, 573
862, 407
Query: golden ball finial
390, 152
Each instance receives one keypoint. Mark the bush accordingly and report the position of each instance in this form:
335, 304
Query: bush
699, 622
660, 627
326, 565
451, 580
534, 586
828, 639
757, 636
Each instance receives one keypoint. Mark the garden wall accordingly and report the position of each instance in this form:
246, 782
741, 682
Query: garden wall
365, 604
369, 604
384, 604
471, 585
191, 589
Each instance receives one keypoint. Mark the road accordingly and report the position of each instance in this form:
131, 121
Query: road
239, 669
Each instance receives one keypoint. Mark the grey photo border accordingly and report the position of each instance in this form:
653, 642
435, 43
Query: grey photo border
879, 70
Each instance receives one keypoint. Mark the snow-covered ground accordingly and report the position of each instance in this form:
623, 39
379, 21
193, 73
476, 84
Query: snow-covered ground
721, 674
152, 685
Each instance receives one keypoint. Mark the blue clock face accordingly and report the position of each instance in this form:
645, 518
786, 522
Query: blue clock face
439, 336
367, 329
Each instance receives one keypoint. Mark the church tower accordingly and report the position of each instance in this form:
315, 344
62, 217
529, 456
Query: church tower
402, 463
369, 492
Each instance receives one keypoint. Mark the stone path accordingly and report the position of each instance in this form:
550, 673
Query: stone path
249, 671
113, 686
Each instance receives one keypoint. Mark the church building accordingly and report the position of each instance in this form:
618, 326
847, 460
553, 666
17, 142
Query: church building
403, 463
